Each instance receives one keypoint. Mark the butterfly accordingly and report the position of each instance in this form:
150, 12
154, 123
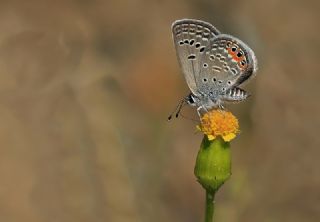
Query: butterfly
214, 64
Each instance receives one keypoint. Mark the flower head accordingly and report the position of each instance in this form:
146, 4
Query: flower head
219, 123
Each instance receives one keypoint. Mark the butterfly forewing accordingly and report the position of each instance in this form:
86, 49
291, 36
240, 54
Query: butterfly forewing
192, 39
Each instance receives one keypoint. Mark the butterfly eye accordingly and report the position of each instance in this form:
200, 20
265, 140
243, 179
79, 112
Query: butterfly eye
233, 48
223, 89
198, 45
243, 62
204, 79
205, 65
229, 82
214, 79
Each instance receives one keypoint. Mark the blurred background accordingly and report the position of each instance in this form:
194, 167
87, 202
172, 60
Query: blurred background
86, 87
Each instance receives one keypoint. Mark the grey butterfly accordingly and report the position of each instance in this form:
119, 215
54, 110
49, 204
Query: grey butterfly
214, 64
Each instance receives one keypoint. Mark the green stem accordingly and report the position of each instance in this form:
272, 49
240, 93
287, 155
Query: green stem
209, 207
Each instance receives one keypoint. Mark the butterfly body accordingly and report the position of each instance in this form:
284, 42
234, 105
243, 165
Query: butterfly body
214, 64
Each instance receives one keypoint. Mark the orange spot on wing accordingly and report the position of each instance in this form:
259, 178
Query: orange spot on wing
242, 67
236, 58
234, 55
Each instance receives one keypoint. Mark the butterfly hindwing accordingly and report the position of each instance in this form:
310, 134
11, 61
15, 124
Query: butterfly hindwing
241, 61
228, 62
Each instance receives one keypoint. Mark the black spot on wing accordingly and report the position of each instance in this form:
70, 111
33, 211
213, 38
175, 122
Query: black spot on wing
192, 57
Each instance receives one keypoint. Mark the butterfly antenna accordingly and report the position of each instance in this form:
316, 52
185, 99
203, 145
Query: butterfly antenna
177, 109
182, 103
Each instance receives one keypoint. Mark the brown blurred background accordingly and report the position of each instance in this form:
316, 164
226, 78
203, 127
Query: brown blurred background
86, 87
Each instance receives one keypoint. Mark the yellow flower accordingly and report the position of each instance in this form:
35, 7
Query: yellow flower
219, 123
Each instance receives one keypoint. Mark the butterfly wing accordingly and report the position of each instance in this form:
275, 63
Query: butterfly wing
225, 64
191, 39
241, 55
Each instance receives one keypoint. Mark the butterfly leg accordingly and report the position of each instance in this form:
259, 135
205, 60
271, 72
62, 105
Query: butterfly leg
199, 109
220, 106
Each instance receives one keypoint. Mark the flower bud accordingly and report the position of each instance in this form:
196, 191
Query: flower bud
213, 164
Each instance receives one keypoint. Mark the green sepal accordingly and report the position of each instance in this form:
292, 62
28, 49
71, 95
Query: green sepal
213, 164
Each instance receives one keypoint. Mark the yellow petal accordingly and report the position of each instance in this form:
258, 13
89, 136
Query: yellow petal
229, 137
211, 137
